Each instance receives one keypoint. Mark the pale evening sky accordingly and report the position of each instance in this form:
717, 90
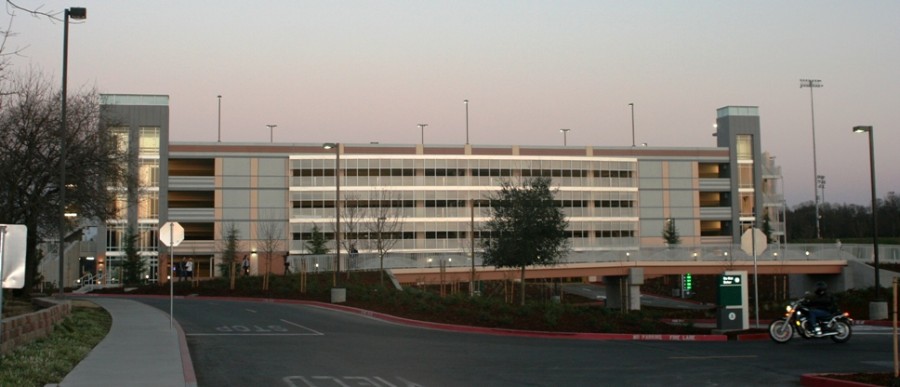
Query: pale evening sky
362, 71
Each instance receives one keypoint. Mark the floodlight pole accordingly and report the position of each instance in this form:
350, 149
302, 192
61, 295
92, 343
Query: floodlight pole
220, 118
422, 130
466, 101
812, 84
632, 124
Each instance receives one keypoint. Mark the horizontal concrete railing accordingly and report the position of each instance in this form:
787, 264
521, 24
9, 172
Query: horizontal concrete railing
719, 253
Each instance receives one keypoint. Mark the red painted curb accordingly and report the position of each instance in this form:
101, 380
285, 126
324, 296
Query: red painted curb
452, 327
187, 365
822, 380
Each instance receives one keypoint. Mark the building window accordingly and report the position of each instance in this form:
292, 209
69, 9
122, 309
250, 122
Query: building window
148, 207
744, 145
745, 179
149, 173
149, 141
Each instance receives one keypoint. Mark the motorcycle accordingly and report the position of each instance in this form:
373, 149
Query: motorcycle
836, 327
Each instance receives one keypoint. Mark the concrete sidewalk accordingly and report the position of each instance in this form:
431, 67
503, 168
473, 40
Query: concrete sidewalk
141, 349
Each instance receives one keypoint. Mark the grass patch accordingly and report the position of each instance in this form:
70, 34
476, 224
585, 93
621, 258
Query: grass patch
50, 359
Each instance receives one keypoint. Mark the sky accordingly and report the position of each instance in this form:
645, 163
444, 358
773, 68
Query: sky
364, 71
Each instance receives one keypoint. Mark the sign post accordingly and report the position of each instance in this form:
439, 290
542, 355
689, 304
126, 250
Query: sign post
171, 234
754, 242
12, 259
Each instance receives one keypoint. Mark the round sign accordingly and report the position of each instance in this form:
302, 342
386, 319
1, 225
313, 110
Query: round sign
732, 316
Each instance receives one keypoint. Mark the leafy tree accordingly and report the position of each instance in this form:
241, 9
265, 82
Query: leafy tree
133, 265
30, 161
231, 238
317, 245
670, 233
527, 227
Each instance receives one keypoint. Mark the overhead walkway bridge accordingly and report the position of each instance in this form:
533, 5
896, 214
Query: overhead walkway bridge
842, 266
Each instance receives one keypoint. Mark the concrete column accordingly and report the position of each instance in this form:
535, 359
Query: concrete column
635, 280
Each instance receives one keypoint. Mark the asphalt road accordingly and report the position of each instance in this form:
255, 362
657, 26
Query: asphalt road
269, 344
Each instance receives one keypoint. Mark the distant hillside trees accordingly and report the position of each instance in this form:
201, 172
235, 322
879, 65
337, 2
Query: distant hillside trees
844, 221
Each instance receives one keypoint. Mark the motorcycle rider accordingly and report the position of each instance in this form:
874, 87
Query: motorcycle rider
821, 305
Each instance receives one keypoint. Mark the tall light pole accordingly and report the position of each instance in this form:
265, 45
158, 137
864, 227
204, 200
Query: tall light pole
220, 118
422, 129
77, 14
812, 84
820, 181
868, 129
565, 132
271, 135
465, 101
337, 206
632, 124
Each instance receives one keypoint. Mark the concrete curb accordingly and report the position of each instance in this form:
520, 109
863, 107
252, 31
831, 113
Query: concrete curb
822, 380
453, 327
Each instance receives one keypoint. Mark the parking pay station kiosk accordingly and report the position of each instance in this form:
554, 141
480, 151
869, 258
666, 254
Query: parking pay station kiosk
733, 303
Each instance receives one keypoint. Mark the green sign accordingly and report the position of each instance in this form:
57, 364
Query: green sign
730, 280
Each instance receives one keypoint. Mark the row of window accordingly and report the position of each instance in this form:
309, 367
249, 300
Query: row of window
452, 203
456, 172
409, 235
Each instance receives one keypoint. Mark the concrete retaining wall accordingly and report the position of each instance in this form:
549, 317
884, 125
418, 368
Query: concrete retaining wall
23, 329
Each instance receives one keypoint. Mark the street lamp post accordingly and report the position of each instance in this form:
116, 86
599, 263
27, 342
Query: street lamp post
77, 14
565, 132
868, 129
337, 207
465, 101
220, 118
271, 132
812, 84
632, 124
422, 129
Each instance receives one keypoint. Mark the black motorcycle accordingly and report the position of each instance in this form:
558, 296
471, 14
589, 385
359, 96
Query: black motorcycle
836, 327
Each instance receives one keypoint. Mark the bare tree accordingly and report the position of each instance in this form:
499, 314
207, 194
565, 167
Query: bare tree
30, 160
352, 214
385, 225
271, 239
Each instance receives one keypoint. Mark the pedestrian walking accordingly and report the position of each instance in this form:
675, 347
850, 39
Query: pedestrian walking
189, 269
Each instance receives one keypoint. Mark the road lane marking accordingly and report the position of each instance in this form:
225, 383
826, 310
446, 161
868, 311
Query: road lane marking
303, 327
259, 330
250, 310
251, 334
713, 357
346, 381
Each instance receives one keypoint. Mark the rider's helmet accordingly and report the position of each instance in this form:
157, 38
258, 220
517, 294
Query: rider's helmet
821, 288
